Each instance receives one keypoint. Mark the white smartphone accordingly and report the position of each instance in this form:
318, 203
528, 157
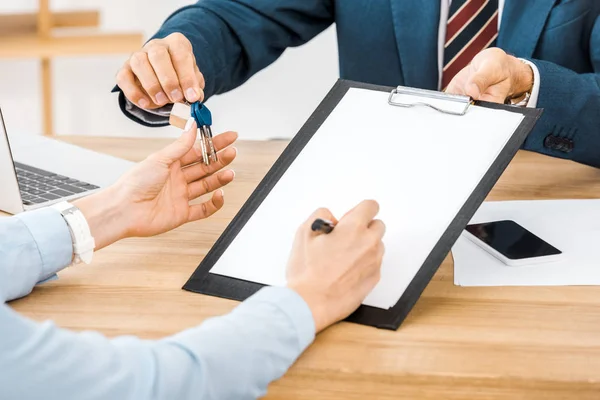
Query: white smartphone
512, 244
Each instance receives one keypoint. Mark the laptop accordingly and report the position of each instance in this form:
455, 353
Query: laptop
36, 171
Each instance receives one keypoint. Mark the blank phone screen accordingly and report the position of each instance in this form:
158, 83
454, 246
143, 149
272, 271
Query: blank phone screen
512, 240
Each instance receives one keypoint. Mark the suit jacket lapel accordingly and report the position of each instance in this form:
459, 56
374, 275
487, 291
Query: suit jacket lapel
522, 24
416, 24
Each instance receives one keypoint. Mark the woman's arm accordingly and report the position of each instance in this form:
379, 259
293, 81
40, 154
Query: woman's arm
154, 197
33, 247
231, 357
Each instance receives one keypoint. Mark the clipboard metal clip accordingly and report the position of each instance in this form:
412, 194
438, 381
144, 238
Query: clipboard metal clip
452, 104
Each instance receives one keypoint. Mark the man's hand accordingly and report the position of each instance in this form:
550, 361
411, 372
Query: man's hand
154, 197
493, 76
163, 71
335, 272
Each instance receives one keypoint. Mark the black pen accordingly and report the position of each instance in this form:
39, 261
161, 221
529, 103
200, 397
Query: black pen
322, 225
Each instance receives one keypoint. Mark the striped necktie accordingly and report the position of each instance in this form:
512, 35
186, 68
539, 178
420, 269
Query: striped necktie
472, 27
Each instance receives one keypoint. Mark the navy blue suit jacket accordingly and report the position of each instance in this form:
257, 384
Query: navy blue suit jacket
394, 42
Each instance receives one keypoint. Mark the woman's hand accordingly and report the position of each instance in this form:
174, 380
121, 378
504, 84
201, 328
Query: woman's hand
154, 197
334, 272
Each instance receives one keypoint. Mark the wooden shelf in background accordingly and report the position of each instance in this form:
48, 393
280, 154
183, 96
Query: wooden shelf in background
47, 34
33, 46
13, 24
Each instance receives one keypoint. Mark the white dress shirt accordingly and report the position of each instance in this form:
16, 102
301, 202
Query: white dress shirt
444, 9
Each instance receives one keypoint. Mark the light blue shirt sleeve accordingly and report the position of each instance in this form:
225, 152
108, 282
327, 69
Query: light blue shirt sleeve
33, 247
231, 357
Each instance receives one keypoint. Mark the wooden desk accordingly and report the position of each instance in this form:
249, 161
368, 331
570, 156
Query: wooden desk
457, 343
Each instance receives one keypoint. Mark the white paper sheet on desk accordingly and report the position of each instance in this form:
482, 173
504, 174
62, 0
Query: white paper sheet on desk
573, 226
421, 165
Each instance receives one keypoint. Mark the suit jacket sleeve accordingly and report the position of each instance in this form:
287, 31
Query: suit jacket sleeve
570, 125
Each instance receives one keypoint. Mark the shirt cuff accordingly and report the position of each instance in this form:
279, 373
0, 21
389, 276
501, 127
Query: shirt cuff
52, 239
535, 91
294, 306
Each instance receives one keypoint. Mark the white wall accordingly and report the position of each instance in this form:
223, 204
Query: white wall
274, 103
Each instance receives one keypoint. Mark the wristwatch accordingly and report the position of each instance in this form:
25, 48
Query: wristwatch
520, 100
83, 242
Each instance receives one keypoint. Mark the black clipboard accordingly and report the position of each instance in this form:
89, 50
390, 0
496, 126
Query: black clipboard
203, 282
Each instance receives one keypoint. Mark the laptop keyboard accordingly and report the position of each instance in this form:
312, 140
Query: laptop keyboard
39, 186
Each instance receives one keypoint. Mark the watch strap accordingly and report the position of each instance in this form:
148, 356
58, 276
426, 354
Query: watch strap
83, 241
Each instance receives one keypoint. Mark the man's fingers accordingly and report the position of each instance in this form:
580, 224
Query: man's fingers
208, 208
486, 70
478, 82
131, 89
456, 85
210, 183
487, 77
141, 67
182, 59
178, 148
161, 62
200, 170
486, 84
202, 82
362, 214
199, 75
220, 142
493, 98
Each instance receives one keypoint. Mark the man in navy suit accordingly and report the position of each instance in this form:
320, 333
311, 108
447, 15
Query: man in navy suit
536, 53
